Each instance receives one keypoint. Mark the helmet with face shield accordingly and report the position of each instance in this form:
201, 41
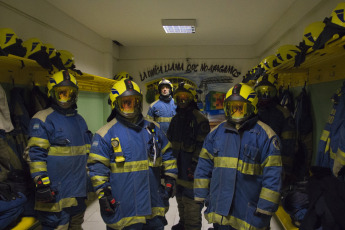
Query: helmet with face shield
184, 95
63, 89
240, 103
266, 88
126, 98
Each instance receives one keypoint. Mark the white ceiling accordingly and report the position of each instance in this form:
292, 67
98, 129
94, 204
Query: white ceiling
138, 22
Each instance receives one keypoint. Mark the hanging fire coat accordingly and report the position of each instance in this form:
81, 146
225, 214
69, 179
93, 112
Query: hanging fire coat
162, 112
331, 139
135, 183
283, 124
187, 132
58, 147
238, 173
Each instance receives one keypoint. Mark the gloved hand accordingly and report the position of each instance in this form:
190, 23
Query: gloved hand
43, 191
191, 170
169, 187
6, 192
107, 202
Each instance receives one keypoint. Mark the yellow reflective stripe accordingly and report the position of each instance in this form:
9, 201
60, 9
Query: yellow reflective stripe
166, 147
270, 195
288, 135
38, 166
149, 117
45, 180
225, 162
205, 154
99, 180
184, 183
156, 211
340, 157
271, 161
39, 142
88, 147
133, 166
248, 168
264, 211
127, 221
158, 162
67, 150
56, 207
327, 148
170, 164
95, 158
201, 183
324, 135
332, 154
163, 119
229, 220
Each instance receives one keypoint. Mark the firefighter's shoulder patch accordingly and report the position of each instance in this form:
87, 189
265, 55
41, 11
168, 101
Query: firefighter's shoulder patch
276, 143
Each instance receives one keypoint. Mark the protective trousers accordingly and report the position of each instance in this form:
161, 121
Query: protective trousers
189, 210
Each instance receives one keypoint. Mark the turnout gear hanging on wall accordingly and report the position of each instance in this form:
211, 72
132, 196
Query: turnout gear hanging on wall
331, 135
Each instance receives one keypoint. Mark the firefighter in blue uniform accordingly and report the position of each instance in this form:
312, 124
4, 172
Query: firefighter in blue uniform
280, 120
163, 109
128, 156
57, 155
238, 176
187, 131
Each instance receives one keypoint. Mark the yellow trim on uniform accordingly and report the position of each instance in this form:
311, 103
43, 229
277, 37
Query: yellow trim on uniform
56, 207
202, 183
184, 183
271, 161
38, 166
158, 162
166, 147
95, 158
68, 150
324, 135
170, 164
205, 154
127, 221
162, 119
226, 162
39, 142
249, 169
133, 166
156, 211
99, 180
270, 195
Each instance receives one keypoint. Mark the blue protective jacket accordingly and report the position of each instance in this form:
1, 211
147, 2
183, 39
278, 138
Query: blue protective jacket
238, 174
136, 182
162, 112
58, 147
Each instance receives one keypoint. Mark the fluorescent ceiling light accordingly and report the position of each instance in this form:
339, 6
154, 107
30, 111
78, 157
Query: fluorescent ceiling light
179, 26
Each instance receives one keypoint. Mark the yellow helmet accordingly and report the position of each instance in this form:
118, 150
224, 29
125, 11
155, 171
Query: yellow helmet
240, 103
184, 95
126, 98
33, 45
122, 75
270, 62
54, 57
266, 87
338, 15
312, 32
63, 89
67, 59
10, 43
287, 52
166, 83
51, 50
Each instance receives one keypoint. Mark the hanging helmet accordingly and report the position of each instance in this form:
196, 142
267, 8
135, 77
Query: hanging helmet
270, 62
266, 88
126, 98
287, 52
67, 59
184, 95
165, 82
10, 43
312, 32
54, 56
63, 89
338, 15
122, 75
35, 50
240, 103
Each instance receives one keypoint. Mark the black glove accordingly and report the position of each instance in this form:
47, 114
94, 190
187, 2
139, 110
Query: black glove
191, 170
107, 202
43, 191
6, 192
169, 187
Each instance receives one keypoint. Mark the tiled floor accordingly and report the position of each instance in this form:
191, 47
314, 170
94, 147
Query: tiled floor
93, 219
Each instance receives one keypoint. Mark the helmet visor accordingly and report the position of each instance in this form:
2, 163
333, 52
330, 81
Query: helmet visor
266, 92
182, 99
65, 93
238, 111
129, 106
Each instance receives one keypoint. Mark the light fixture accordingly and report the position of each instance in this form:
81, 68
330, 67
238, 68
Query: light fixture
179, 26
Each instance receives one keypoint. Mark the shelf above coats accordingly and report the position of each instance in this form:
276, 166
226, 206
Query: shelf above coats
323, 65
23, 71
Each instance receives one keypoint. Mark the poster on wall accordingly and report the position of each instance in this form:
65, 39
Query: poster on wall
212, 81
